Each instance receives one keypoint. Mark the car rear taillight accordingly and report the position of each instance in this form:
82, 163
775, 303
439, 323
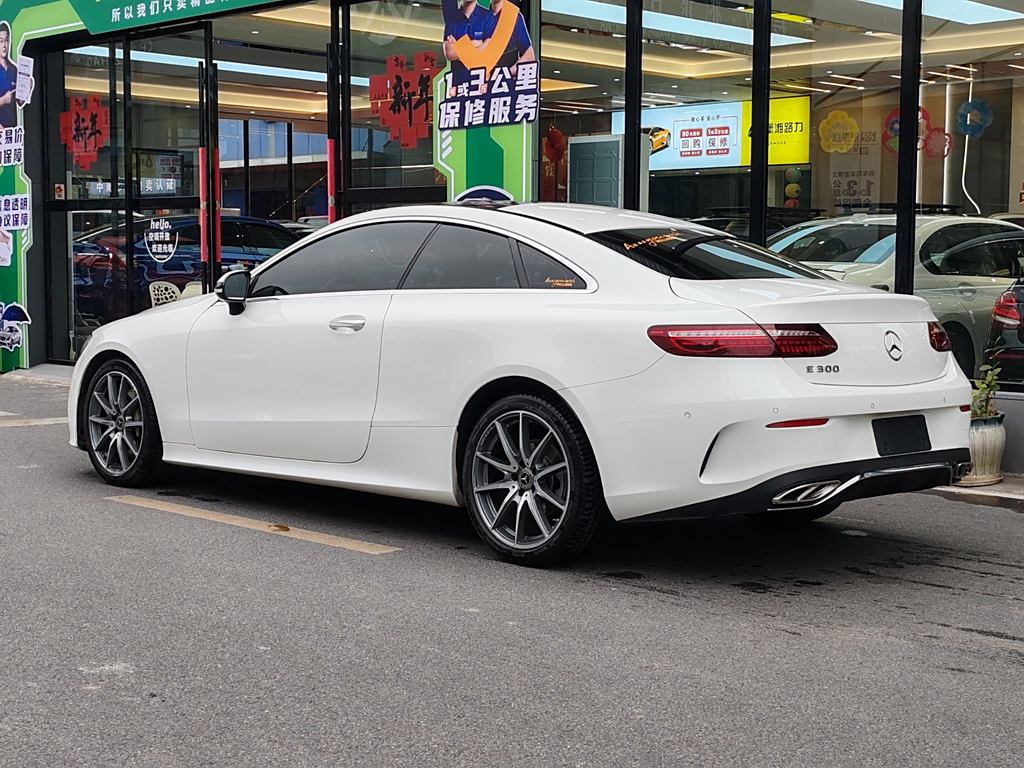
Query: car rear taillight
939, 338
1005, 312
752, 340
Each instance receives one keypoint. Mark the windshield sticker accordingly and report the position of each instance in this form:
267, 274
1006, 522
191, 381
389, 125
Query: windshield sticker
560, 282
652, 240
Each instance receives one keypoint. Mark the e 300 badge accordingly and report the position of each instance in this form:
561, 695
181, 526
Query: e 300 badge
823, 369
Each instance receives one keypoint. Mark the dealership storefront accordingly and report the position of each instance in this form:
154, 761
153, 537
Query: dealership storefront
751, 116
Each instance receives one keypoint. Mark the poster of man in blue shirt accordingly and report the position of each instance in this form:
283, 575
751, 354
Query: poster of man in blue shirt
494, 75
478, 21
519, 48
8, 80
465, 19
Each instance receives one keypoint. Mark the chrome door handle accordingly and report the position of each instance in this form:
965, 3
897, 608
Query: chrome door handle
967, 291
347, 323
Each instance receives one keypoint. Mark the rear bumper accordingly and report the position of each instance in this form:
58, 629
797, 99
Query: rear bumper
832, 484
690, 431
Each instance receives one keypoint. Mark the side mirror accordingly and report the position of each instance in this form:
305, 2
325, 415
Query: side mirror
233, 288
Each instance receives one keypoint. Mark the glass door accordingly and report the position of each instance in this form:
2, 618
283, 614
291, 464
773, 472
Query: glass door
163, 239
86, 193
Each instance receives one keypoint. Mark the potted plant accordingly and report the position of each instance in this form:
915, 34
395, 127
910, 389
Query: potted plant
988, 437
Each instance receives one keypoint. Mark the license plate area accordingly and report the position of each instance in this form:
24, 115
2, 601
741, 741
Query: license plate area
901, 434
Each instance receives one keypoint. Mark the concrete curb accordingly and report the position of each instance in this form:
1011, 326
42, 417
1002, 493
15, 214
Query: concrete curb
1008, 494
59, 375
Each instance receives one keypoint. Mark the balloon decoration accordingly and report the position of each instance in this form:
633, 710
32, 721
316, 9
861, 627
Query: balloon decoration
838, 132
935, 142
973, 118
793, 188
891, 131
938, 143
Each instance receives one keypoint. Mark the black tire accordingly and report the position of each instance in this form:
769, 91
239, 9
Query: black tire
147, 464
584, 506
963, 349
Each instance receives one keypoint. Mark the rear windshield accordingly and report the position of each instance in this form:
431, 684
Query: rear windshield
678, 254
837, 243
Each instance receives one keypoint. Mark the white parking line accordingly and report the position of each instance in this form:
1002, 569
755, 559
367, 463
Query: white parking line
7, 413
33, 422
342, 542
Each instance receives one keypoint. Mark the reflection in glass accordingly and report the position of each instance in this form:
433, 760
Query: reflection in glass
392, 145
696, 111
971, 169
582, 86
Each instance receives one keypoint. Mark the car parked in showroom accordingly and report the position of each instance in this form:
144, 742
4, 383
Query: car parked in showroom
961, 286
544, 365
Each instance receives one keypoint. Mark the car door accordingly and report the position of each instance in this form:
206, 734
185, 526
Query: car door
969, 266
295, 374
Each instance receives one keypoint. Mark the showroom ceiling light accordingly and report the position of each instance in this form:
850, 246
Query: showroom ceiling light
960, 11
664, 22
174, 60
190, 62
950, 75
803, 87
841, 85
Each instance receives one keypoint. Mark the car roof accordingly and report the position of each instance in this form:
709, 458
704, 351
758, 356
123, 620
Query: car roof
888, 218
582, 219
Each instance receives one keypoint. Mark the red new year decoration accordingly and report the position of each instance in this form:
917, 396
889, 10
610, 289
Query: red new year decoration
85, 129
403, 98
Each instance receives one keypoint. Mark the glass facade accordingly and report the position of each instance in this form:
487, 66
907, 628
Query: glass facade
660, 105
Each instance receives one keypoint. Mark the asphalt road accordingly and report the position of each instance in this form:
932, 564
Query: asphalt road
890, 633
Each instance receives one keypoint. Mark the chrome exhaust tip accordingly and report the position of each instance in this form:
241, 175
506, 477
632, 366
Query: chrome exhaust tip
806, 494
962, 470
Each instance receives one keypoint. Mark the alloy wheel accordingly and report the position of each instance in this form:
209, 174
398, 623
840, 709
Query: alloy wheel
115, 422
521, 479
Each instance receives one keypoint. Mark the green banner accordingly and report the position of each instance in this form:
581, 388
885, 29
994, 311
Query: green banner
486, 102
20, 20
113, 15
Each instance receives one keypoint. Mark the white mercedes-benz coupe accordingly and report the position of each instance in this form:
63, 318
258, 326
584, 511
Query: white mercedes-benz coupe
543, 365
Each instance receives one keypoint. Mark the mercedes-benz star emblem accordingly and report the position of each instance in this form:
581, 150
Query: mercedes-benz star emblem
893, 345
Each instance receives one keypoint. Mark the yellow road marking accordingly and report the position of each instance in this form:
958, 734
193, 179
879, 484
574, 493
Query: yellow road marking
366, 547
33, 422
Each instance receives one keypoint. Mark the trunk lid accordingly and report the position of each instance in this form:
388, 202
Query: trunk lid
883, 338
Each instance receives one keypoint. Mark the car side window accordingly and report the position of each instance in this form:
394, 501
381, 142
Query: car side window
544, 272
463, 257
935, 247
232, 237
986, 259
369, 258
187, 235
269, 240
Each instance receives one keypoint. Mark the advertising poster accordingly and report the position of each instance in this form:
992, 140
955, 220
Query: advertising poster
486, 101
17, 85
717, 135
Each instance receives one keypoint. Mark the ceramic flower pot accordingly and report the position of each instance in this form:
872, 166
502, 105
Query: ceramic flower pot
988, 439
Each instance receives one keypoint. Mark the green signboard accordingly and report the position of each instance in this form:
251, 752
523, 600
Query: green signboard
113, 15
486, 102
